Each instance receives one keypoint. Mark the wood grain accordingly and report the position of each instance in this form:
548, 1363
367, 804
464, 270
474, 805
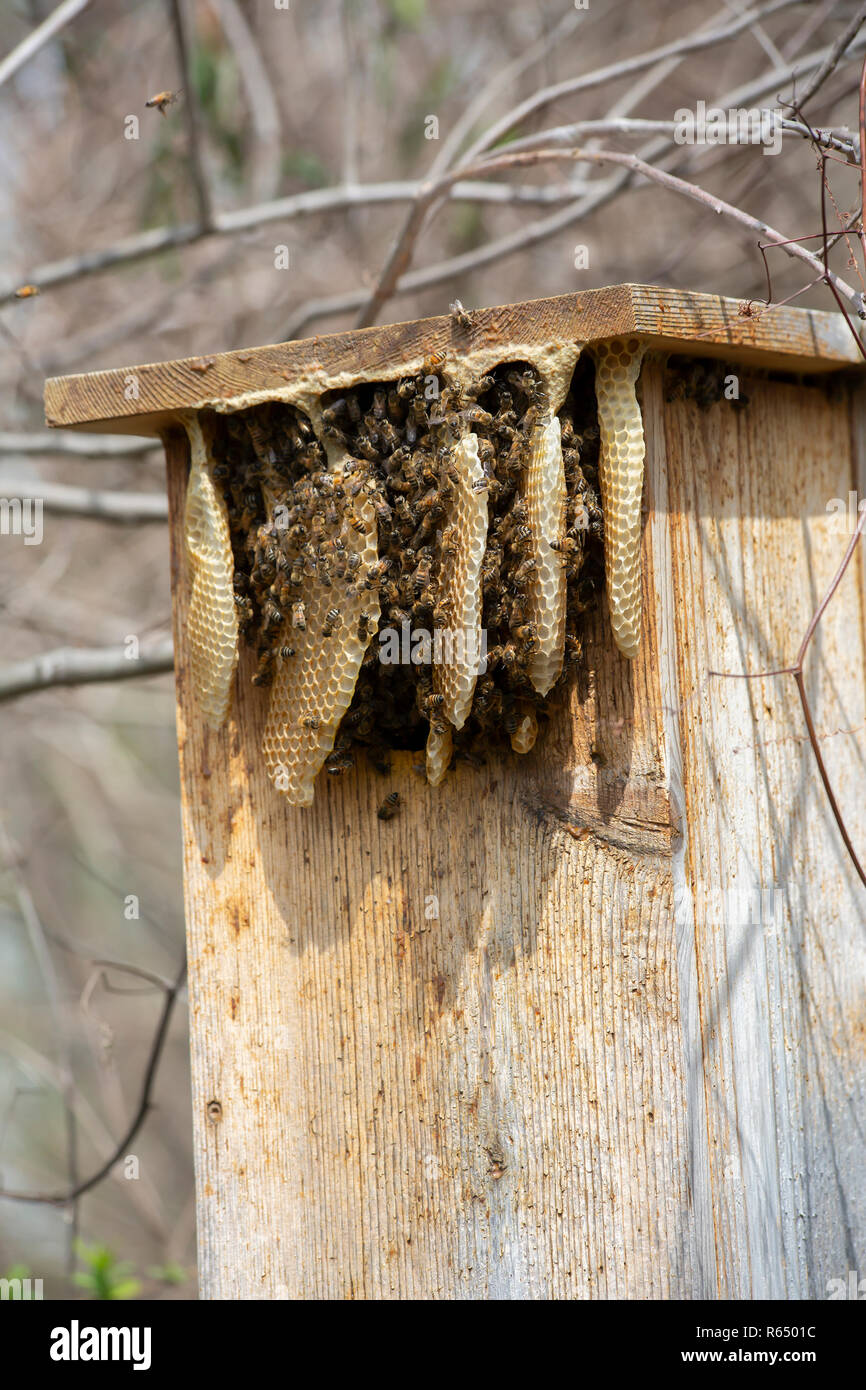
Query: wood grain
769, 909
144, 400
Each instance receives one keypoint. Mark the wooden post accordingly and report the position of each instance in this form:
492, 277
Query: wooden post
587, 1023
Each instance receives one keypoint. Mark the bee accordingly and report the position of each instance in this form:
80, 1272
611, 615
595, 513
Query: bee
26, 291
332, 620
459, 315
310, 721
287, 652
334, 411
337, 763
527, 633
450, 543
389, 806
163, 99
365, 626
480, 485
565, 547
376, 573
477, 416
264, 673
299, 617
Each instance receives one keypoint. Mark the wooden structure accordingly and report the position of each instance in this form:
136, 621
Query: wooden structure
589, 1023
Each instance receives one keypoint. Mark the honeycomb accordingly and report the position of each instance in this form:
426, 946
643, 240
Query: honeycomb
213, 623
524, 736
459, 605
466, 498
317, 672
440, 748
621, 470
546, 505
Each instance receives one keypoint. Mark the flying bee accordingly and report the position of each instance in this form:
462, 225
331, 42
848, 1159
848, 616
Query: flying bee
299, 617
459, 315
163, 99
332, 620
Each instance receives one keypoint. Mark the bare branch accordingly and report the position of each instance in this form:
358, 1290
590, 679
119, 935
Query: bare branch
101, 446
82, 666
63, 1198
30, 46
831, 61
109, 504
264, 110
400, 254
194, 149
156, 240
501, 81
692, 43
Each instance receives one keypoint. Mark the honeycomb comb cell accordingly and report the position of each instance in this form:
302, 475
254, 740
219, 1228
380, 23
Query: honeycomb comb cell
313, 687
460, 586
545, 501
213, 623
440, 746
621, 469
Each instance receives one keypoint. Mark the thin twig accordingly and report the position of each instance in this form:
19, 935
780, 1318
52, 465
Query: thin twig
796, 670
144, 1106
832, 60
692, 43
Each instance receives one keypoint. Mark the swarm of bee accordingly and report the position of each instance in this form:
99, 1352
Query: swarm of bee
416, 504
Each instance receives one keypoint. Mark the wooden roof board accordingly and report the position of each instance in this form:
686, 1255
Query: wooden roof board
802, 340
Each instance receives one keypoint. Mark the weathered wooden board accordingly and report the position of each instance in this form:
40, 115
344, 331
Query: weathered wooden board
145, 399
770, 913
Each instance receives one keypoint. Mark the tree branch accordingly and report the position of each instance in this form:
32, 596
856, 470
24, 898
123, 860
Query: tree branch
30, 46
82, 666
60, 1199
126, 508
